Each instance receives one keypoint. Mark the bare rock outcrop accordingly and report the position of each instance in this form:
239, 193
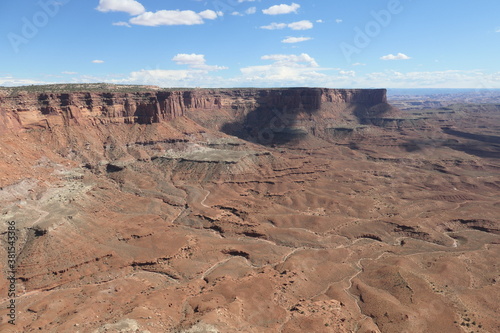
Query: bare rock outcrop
29, 109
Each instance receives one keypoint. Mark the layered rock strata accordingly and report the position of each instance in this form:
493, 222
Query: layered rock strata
25, 110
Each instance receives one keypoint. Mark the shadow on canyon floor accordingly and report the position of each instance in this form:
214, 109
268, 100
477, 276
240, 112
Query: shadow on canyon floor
276, 119
292, 116
479, 149
472, 136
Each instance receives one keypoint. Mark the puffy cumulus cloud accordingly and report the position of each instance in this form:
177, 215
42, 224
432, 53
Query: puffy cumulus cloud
173, 17
208, 14
300, 60
192, 59
98, 61
399, 56
281, 9
195, 61
291, 40
131, 7
299, 25
285, 70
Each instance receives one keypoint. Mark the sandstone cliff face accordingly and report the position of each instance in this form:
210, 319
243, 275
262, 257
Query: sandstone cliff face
41, 109
26, 110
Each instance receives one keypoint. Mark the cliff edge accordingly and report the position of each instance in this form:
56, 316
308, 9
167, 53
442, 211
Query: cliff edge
24, 109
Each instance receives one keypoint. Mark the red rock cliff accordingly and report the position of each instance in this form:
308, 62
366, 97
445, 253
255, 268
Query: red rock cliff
26, 110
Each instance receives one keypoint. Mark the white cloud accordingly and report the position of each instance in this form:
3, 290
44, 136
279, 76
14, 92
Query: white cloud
339, 21
347, 73
319, 21
160, 77
285, 70
161, 74
497, 30
399, 56
359, 64
198, 73
274, 26
435, 79
173, 78
98, 61
173, 17
122, 24
281, 9
300, 25
208, 14
292, 59
128, 6
195, 61
9, 81
189, 59
69, 73
291, 40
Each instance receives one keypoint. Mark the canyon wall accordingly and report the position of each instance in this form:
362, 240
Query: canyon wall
31, 109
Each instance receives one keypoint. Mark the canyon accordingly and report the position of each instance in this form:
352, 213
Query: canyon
247, 210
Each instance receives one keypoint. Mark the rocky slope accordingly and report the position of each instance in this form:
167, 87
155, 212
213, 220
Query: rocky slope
248, 210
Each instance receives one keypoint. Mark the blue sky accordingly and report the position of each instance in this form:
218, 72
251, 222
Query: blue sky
242, 43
